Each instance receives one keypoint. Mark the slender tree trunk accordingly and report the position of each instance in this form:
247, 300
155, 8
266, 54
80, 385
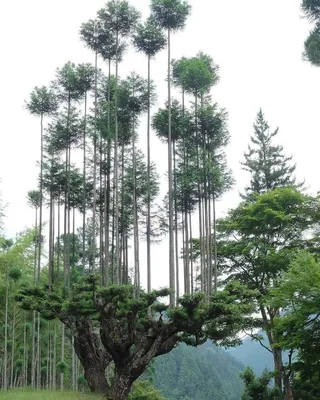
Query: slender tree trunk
54, 360
116, 194
5, 357
191, 259
25, 354
287, 387
51, 239
148, 183
38, 358
101, 216
84, 199
135, 214
215, 245
171, 239
176, 230
108, 185
13, 338
62, 354
95, 166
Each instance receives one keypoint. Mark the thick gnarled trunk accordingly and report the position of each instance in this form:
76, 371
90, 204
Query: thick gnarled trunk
93, 358
121, 386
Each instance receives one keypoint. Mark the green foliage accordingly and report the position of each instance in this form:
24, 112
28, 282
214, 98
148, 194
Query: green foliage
269, 168
201, 373
143, 390
15, 274
195, 75
119, 17
311, 9
298, 328
170, 14
148, 38
312, 47
182, 123
257, 388
257, 241
61, 367
43, 101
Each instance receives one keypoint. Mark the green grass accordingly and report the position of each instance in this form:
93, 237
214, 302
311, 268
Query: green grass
45, 395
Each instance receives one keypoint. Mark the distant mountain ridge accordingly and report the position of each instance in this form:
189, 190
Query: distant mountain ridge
253, 355
203, 373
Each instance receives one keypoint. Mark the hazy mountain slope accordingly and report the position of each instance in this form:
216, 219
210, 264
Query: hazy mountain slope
203, 373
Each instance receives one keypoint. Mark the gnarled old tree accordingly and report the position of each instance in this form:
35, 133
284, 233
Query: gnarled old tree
112, 325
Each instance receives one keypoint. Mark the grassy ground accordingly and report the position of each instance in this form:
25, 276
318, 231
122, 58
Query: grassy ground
45, 395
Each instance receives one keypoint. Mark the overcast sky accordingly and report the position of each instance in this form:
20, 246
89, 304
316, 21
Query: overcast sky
257, 44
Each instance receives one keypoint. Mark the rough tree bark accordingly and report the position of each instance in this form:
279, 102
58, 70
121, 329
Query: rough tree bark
93, 357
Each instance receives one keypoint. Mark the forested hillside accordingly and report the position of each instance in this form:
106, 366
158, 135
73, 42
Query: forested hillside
204, 373
252, 354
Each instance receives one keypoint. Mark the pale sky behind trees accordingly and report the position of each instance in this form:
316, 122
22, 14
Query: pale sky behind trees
258, 45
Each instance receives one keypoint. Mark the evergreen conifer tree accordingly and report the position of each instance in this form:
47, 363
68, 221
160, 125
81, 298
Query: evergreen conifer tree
265, 161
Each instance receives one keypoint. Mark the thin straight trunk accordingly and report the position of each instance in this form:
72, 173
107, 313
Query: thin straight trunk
62, 354
184, 249
58, 244
116, 194
135, 213
41, 204
113, 273
5, 356
69, 223
215, 244
148, 183
53, 239
191, 259
205, 275
33, 345
73, 237
38, 358
48, 358
107, 186
122, 218
185, 215
50, 241
66, 229
25, 356
176, 236
101, 251
54, 360
73, 356
127, 257
13, 345
33, 351
202, 272
84, 200
206, 215
171, 241
95, 165
40, 248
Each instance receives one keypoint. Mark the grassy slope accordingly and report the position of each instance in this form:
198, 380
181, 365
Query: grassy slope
45, 395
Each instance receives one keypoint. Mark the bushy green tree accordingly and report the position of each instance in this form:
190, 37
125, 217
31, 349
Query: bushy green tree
258, 388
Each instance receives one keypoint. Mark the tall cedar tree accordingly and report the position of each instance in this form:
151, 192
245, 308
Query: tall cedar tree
171, 15
149, 39
268, 166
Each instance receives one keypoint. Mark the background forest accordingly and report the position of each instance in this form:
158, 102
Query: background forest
83, 307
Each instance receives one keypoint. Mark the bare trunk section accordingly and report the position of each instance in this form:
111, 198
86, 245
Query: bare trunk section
95, 166
171, 239
148, 185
